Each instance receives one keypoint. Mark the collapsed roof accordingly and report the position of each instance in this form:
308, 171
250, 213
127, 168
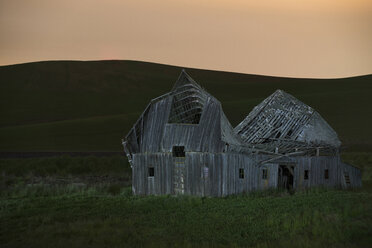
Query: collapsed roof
279, 126
284, 123
187, 106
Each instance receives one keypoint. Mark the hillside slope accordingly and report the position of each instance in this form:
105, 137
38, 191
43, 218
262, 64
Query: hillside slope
89, 106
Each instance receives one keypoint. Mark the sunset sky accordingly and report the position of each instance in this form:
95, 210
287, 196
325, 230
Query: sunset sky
296, 38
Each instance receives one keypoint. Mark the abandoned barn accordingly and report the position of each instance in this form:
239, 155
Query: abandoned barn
184, 144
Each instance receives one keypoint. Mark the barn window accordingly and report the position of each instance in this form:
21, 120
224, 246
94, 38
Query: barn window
264, 173
241, 173
151, 171
347, 178
178, 151
306, 174
326, 174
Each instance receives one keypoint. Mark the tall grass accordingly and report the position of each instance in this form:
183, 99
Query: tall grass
63, 173
108, 215
96, 218
66, 165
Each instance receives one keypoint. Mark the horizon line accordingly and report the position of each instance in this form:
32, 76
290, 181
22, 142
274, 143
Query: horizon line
184, 67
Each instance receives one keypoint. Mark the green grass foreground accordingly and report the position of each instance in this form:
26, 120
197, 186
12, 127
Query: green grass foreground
106, 214
70, 217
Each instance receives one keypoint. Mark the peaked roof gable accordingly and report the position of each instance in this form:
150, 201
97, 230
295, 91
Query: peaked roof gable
188, 100
183, 80
282, 116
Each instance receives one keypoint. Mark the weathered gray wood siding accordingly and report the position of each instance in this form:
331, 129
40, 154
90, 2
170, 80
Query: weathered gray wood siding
197, 182
222, 177
161, 183
252, 180
157, 135
154, 122
204, 137
317, 165
355, 176
217, 174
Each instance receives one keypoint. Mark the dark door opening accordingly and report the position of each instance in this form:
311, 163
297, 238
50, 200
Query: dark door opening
285, 177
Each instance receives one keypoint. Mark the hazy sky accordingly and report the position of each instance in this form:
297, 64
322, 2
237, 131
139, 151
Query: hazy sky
298, 38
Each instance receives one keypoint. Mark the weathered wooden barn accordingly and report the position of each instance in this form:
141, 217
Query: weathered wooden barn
184, 144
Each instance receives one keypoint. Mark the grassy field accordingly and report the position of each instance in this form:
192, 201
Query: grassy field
95, 218
87, 201
90, 106
104, 213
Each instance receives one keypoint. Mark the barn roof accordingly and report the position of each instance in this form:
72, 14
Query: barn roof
281, 125
188, 100
281, 121
184, 84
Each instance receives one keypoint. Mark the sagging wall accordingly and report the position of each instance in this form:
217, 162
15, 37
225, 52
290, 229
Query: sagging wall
316, 167
351, 176
157, 135
202, 137
252, 180
206, 174
161, 183
218, 174
198, 180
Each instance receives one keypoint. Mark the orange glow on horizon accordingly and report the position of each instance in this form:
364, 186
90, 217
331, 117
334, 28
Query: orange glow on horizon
297, 38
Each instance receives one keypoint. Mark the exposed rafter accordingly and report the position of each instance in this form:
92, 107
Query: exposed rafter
283, 124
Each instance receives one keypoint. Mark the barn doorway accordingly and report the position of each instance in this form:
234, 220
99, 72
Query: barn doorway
179, 171
179, 176
285, 176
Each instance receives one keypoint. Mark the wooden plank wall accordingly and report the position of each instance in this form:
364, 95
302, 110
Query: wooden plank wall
162, 182
154, 121
221, 179
355, 176
252, 180
317, 167
159, 136
217, 174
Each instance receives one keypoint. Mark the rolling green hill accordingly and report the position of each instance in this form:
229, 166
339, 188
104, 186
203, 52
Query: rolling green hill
90, 106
